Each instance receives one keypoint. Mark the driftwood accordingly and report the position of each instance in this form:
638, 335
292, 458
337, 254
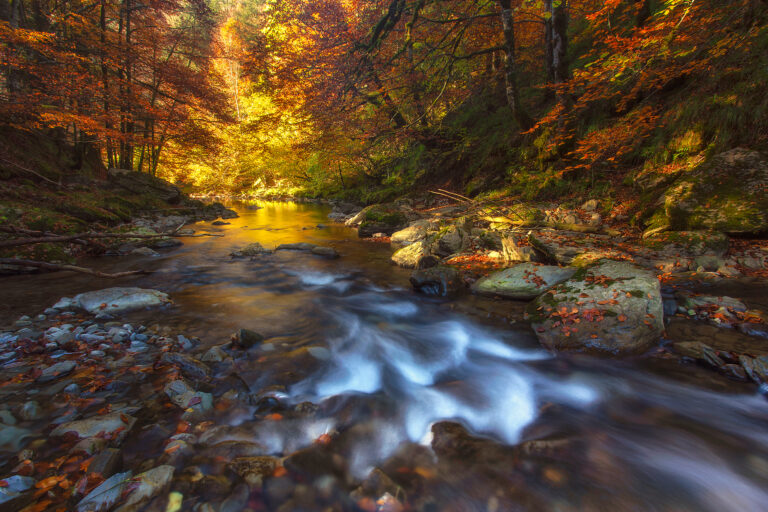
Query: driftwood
51, 238
72, 268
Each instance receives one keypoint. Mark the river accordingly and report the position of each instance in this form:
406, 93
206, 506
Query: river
547, 433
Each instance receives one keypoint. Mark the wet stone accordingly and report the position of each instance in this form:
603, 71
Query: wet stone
189, 366
57, 370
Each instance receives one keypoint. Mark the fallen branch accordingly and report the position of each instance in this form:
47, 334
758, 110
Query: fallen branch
49, 238
30, 171
72, 268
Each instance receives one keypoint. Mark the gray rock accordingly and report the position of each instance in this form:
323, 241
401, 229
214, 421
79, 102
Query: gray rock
699, 351
113, 300
7, 417
188, 365
451, 241
12, 438
91, 427
525, 281
416, 255
516, 247
416, 231
214, 355
30, 411
220, 223
150, 484
618, 307
441, 280
590, 205
107, 494
14, 489
56, 370
708, 262
66, 304
181, 394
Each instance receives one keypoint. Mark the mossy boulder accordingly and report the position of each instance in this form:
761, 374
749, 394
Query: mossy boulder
728, 193
441, 280
688, 243
612, 308
385, 219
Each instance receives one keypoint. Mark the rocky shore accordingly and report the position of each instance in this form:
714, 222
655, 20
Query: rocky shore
594, 284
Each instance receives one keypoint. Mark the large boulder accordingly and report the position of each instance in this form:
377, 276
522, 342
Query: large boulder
728, 193
416, 231
612, 307
451, 240
525, 281
573, 248
417, 255
118, 300
385, 219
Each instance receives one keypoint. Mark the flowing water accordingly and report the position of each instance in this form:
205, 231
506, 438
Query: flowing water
565, 433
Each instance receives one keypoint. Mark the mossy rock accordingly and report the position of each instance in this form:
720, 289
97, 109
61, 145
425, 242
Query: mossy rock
688, 242
385, 219
729, 193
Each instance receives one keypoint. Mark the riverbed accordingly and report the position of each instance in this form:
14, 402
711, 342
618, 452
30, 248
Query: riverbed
532, 431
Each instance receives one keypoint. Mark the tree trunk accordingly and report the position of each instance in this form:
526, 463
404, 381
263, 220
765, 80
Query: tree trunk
644, 13
560, 73
510, 67
14, 77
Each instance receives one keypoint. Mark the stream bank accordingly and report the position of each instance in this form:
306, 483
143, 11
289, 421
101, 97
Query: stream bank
349, 392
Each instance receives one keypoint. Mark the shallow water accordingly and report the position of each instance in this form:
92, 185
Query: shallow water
632, 435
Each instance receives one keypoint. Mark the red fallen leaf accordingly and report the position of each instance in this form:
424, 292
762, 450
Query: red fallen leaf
279, 471
274, 416
622, 318
3, 483
323, 439
102, 305
194, 401
367, 504
124, 419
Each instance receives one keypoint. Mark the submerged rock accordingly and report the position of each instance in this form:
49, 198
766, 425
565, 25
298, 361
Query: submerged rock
189, 366
246, 338
301, 246
250, 250
147, 485
525, 281
181, 394
57, 370
612, 307
325, 252
441, 280
90, 427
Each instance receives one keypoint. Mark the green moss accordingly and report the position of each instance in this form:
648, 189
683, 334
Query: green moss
385, 217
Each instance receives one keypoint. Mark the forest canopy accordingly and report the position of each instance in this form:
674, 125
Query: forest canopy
368, 99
